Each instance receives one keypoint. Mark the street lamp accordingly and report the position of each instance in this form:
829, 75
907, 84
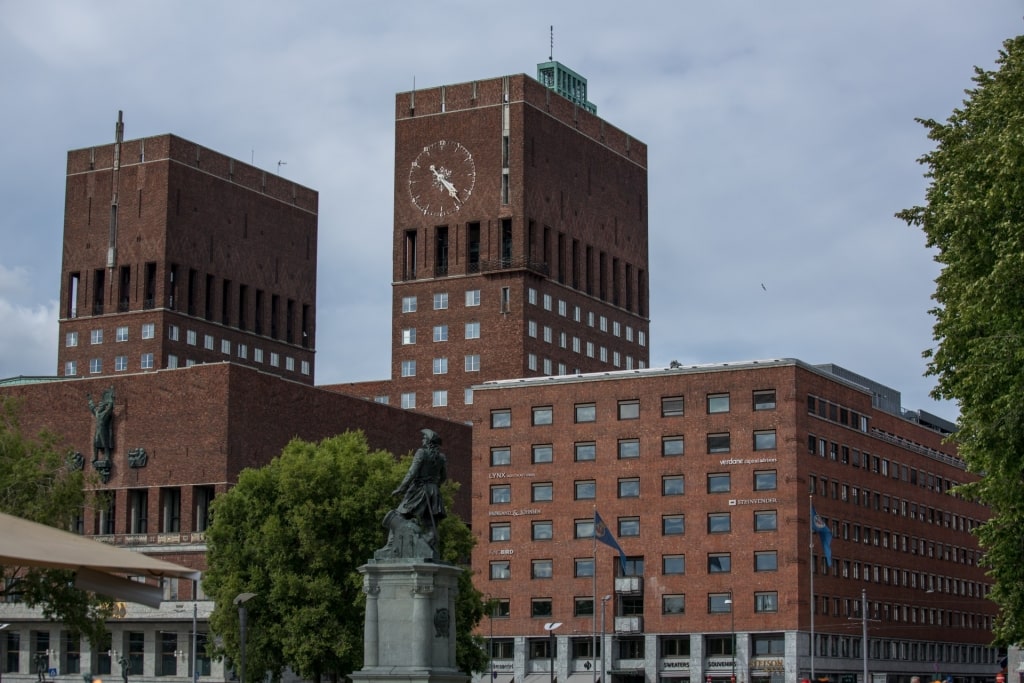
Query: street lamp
240, 600
550, 628
604, 603
732, 614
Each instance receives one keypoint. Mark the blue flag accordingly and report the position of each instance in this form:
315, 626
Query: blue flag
603, 534
820, 527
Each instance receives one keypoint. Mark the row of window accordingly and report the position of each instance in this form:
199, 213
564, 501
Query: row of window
146, 362
440, 333
438, 398
896, 613
898, 576
121, 333
410, 304
671, 603
671, 565
102, 521
595, 321
439, 366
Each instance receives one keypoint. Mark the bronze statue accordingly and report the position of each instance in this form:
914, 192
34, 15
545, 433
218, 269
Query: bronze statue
103, 435
413, 524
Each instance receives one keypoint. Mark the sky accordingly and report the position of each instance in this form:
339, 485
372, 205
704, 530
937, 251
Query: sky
781, 142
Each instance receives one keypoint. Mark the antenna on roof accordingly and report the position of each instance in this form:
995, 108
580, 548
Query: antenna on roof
551, 47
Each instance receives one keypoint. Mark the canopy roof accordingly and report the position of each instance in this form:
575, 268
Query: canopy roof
97, 565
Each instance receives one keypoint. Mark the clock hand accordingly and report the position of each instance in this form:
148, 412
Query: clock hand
452, 192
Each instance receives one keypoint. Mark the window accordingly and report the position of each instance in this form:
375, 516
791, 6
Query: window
673, 604
70, 368
765, 480
541, 491
718, 443
148, 330
583, 528
409, 399
501, 610
719, 603
408, 368
629, 526
501, 455
672, 485
95, 366
440, 333
764, 440
585, 451
473, 362
547, 302
766, 602
542, 530
586, 489
583, 567
542, 415
191, 338
766, 561
501, 570
582, 607
208, 344
540, 607
243, 352
96, 336
672, 445
719, 563
719, 483
440, 366
586, 412
408, 336
673, 525
408, 304
673, 564
629, 448
718, 403
542, 453
275, 359
473, 297
225, 347
473, 330
501, 493
121, 334
120, 363
629, 410
71, 339
172, 332
501, 419
439, 398
765, 520
540, 569
440, 301
764, 400
468, 397
629, 488
672, 406
719, 523
531, 328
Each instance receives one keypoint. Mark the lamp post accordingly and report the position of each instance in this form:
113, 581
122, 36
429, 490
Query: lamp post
240, 601
604, 603
550, 628
2, 627
732, 614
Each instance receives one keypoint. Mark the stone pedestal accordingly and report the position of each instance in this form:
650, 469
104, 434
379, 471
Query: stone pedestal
409, 632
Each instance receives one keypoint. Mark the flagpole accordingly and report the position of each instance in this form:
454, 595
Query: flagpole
811, 565
593, 615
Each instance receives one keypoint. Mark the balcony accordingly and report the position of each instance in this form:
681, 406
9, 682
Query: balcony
629, 624
629, 585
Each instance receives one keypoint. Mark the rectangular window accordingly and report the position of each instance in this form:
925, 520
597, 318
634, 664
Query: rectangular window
629, 526
672, 445
440, 398
440, 301
718, 443
673, 604
473, 297
585, 451
629, 448
501, 493
582, 607
542, 530
542, 415
719, 523
672, 485
718, 403
120, 363
764, 440
765, 480
70, 368
583, 567
473, 330
96, 336
440, 366
408, 304
586, 412
408, 368
766, 602
95, 366
408, 398
225, 347
190, 337
764, 400
542, 453
719, 563
719, 483
721, 603
440, 333
208, 342
766, 561
501, 419
583, 528
673, 525
136, 641
148, 330
121, 333
540, 569
501, 570
672, 406
501, 455
408, 336
541, 492
629, 410
71, 339
585, 490
473, 362
673, 564
629, 488
540, 607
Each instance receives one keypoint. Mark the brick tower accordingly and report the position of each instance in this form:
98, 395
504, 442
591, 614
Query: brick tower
520, 239
176, 255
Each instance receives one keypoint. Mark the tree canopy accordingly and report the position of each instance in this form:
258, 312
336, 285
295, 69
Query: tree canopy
974, 219
294, 533
36, 483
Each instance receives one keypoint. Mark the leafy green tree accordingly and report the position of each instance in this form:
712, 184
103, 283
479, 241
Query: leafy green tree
294, 533
37, 484
974, 218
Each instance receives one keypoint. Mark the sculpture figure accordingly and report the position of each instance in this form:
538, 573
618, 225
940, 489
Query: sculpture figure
413, 524
103, 434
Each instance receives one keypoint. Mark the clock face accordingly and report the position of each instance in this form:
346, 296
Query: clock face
441, 178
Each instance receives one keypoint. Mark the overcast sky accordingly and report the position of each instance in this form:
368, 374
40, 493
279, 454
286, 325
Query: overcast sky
781, 142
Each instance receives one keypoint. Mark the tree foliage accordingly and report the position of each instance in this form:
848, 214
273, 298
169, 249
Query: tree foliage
974, 218
37, 484
294, 533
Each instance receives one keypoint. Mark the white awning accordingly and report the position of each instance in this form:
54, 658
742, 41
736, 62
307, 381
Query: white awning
98, 566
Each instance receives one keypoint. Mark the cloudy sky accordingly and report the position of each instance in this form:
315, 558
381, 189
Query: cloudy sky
781, 141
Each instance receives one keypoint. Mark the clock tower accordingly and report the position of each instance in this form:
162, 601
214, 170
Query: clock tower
520, 239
